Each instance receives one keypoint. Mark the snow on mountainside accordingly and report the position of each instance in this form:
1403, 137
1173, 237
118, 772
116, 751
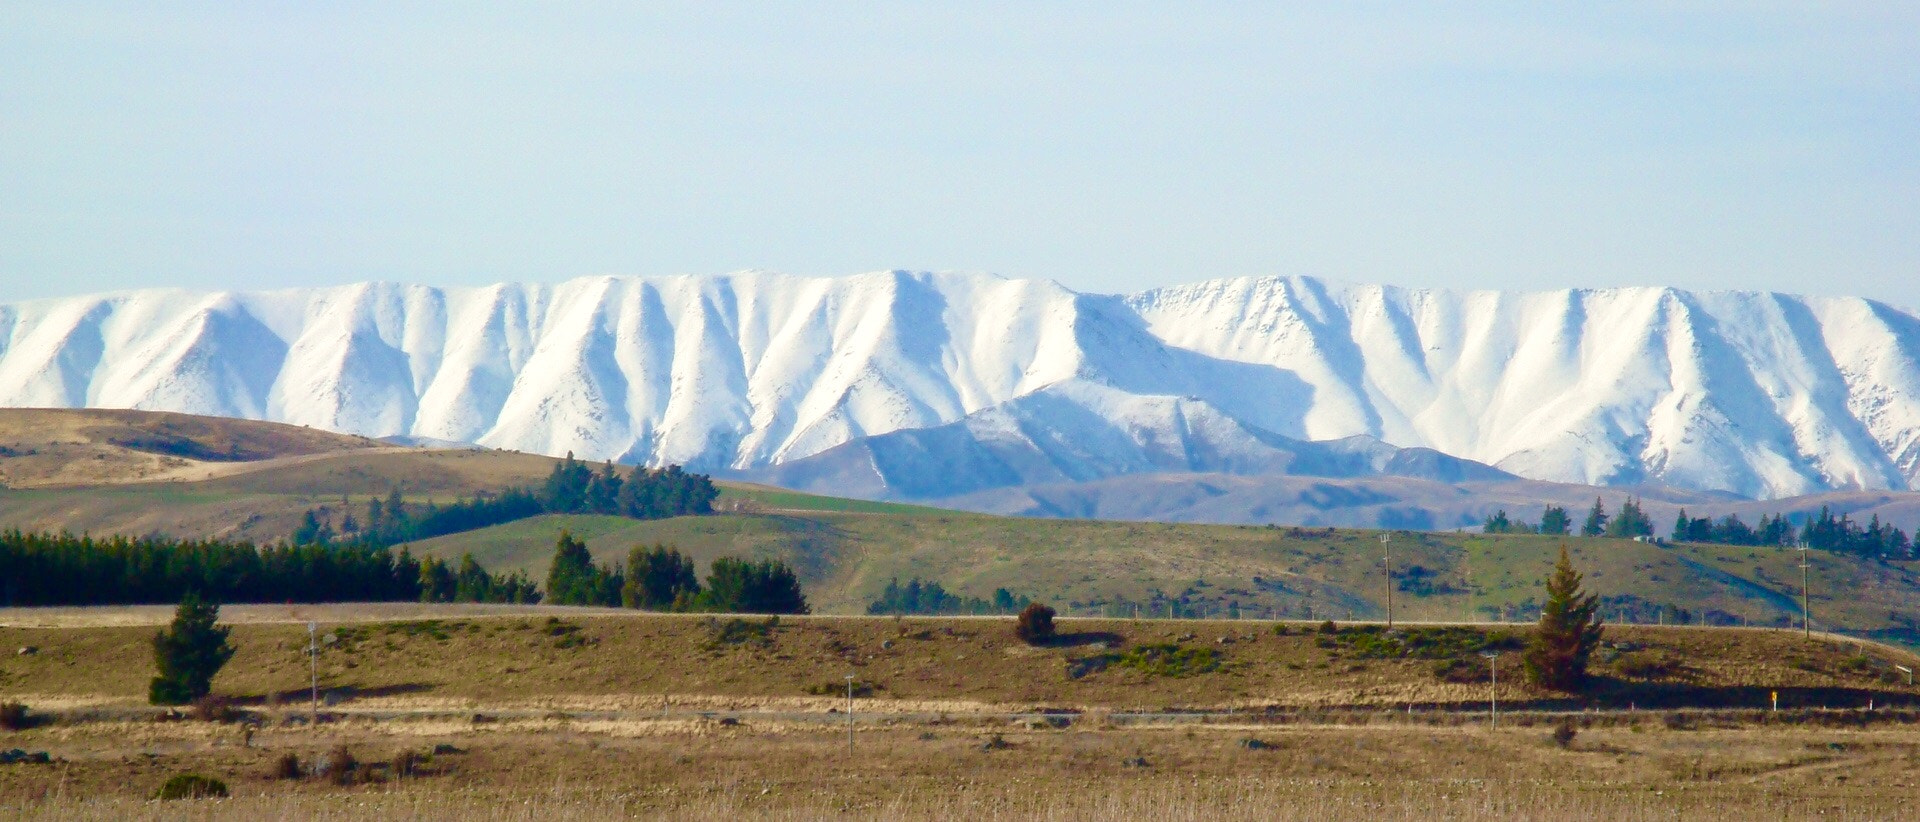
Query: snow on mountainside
1756, 394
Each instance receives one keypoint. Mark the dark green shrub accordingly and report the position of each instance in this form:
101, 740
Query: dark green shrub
1035, 624
1328, 627
839, 689
1161, 659
737, 631
14, 717
1646, 665
191, 786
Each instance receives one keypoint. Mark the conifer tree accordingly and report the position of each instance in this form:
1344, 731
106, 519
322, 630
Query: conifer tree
570, 579
1569, 630
1554, 520
1596, 523
188, 653
657, 577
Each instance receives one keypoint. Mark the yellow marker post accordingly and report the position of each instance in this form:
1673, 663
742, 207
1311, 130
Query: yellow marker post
1776, 699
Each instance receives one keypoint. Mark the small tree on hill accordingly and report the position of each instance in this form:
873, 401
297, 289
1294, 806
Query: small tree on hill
1555, 521
1035, 624
188, 653
1596, 523
573, 579
1569, 630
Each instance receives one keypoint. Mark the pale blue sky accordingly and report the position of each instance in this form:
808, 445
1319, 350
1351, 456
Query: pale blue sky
1109, 146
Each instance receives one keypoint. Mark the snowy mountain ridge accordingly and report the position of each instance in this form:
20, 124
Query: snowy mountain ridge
1759, 394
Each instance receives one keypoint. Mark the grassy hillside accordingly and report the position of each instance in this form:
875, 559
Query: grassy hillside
49, 447
628, 661
1092, 568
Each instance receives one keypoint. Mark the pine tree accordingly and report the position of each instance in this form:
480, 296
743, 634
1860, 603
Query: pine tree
765, 587
1596, 520
657, 577
570, 578
1497, 524
1569, 630
1554, 520
188, 653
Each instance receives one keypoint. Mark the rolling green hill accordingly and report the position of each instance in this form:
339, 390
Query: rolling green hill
1090, 568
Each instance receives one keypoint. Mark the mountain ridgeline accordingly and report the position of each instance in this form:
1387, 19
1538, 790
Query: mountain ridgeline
1012, 383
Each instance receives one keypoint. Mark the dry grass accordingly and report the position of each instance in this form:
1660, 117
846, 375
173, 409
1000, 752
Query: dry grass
45, 447
591, 659
486, 717
947, 772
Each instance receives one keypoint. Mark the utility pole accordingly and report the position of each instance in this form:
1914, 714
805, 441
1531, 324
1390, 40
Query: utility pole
1806, 614
1386, 558
1493, 689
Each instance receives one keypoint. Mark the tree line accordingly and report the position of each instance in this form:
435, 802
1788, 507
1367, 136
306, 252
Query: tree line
63, 569
930, 599
571, 488
1827, 532
661, 578
1631, 521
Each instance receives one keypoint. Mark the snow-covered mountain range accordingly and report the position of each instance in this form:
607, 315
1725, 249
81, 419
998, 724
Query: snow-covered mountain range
911, 384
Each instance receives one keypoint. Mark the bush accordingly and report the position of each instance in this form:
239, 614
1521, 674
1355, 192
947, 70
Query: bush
407, 763
1646, 665
14, 717
287, 766
1564, 733
839, 689
339, 765
1161, 659
1328, 627
191, 786
1035, 624
1461, 671
215, 708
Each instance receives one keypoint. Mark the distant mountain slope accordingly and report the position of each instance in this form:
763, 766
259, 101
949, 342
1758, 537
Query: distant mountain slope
45, 447
1762, 395
1077, 432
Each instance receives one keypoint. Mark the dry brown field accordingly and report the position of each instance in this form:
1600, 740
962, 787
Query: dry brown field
702, 769
471, 712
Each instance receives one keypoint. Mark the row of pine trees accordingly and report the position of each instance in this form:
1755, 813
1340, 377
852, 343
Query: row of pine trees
1631, 521
930, 599
1827, 532
63, 569
572, 488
